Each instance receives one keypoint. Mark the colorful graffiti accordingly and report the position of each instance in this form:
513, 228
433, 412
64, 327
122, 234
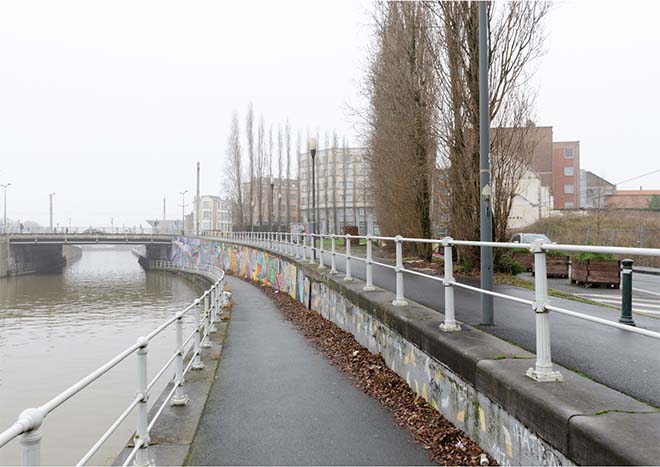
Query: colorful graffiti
244, 262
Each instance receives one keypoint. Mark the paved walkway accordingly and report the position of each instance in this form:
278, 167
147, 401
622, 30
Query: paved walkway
277, 401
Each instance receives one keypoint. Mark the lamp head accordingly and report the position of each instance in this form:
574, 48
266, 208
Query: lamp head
312, 146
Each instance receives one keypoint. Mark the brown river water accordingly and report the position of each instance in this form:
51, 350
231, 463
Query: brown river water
57, 328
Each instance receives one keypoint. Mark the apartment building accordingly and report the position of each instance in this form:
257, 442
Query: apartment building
215, 214
342, 190
566, 174
273, 192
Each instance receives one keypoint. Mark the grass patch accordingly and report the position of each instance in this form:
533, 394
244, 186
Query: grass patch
506, 279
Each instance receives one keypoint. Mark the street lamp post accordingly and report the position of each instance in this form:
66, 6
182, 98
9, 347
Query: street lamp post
5, 202
312, 152
51, 211
272, 203
485, 217
183, 211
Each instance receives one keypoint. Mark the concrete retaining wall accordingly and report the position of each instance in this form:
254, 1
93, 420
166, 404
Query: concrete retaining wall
474, 379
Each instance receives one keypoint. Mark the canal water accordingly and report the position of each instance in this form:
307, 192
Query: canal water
57, 328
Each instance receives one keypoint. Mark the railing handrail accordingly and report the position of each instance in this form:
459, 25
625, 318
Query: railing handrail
30, 420
543, 370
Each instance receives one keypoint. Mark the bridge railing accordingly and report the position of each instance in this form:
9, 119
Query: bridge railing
206, 308
303, 246
68, 237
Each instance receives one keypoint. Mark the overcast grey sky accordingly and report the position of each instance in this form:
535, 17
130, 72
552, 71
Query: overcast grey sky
110, 104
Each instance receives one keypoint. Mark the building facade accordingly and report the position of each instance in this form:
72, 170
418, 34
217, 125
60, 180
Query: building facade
273, 192
215, 214
566, 174
594, 190
342, 191
633, 199
532, 201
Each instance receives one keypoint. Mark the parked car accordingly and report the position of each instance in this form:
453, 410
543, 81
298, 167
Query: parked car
529, 238
93, 232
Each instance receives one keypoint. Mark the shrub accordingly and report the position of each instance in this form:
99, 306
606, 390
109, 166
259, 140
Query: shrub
587, 256
507, 265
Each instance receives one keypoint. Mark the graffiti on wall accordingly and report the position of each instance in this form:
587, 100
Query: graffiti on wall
258, 266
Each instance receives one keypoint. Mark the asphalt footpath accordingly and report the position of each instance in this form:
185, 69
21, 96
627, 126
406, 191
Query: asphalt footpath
277, 401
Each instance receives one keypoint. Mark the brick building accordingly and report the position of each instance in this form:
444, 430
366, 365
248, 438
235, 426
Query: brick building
566, 174
631, 199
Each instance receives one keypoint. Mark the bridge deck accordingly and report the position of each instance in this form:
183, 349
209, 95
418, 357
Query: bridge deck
88, 239
277, 401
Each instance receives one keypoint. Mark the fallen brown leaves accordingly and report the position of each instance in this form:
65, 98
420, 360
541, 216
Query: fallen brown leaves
447, 445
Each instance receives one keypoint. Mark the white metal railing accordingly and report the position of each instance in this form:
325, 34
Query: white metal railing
303, 246
206, 309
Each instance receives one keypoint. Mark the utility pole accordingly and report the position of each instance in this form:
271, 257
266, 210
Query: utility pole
197, 205
486, 216
5, 201
51, 211
183, 211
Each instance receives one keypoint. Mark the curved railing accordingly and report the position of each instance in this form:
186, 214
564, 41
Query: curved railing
303, 246
205, 308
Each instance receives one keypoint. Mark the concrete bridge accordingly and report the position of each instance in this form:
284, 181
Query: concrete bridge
43, 252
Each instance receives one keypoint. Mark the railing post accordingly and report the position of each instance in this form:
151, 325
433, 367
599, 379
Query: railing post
142, 431
214, 308
30, 441
206, 341
333, 254
304, 246
368, 263
296, 247
543, 370
626, 293
180, 397
321, 263
400, 299
198, 364
450, 319
312, 245
348, 276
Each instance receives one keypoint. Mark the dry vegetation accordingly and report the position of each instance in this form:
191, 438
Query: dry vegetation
605, 227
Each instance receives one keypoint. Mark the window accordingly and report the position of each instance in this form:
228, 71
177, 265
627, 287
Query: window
569, 205
569, 172
569, 188
206, 205
207, 214
568, 153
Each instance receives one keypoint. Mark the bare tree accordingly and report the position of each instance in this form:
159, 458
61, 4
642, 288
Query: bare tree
280, 144
234, 171
515, 41
261, 162
325, 175
402, 140
298, 151
249, 133
344, 175
287, 132
335, 220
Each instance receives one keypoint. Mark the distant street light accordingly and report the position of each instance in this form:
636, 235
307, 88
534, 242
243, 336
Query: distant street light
312, 152
5, 199
183, 211
51, 211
